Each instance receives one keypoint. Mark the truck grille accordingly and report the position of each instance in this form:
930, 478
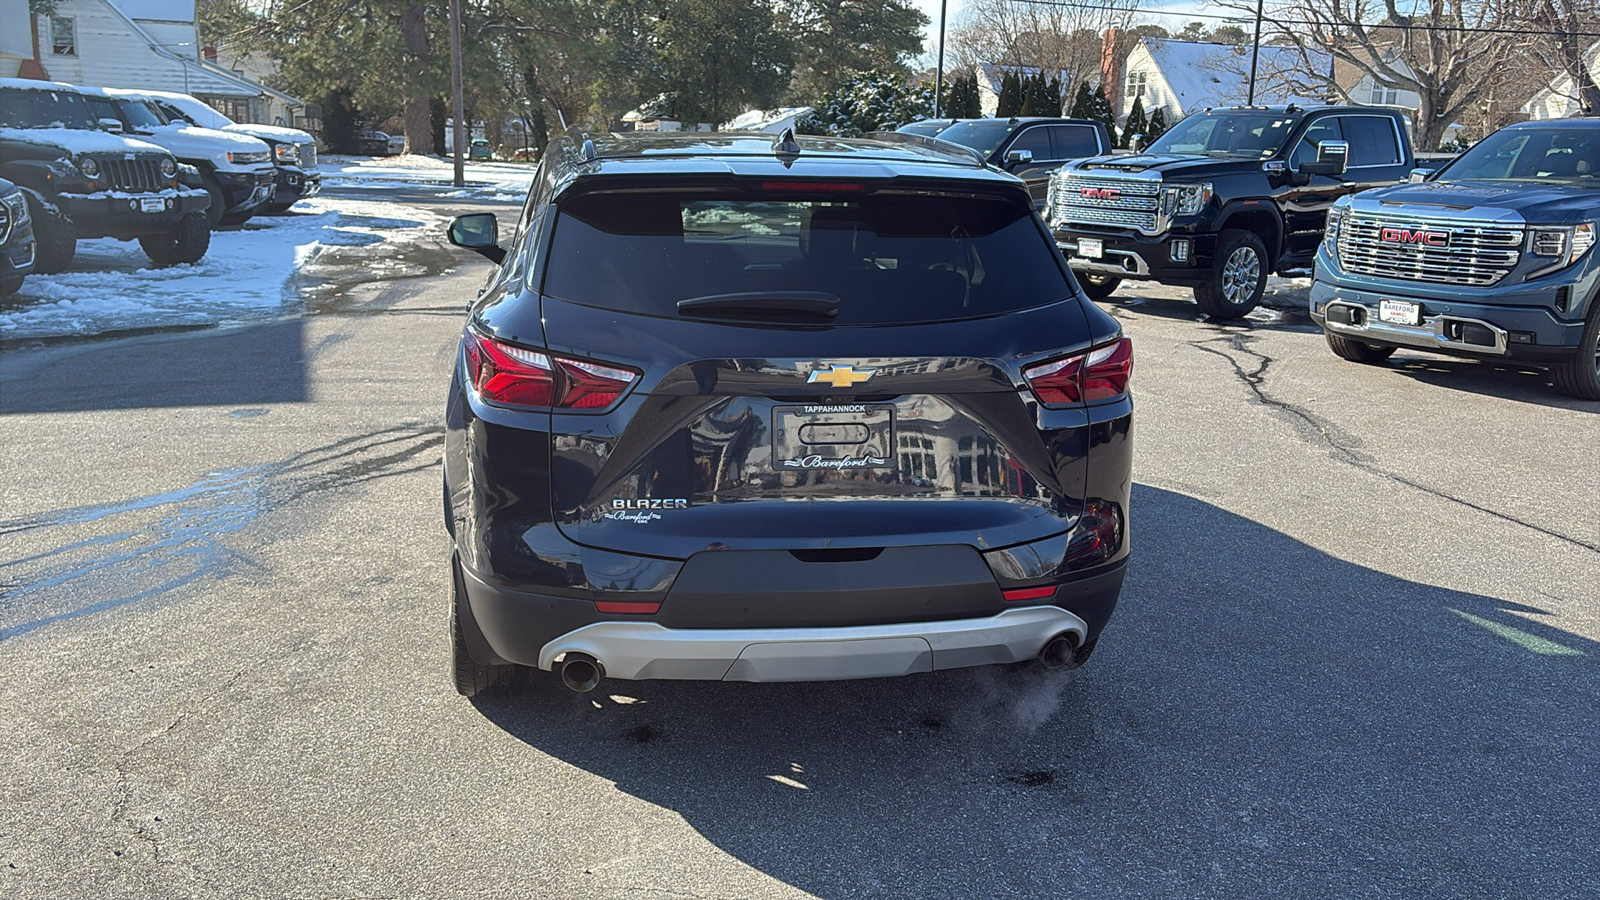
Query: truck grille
136, 176
1473, 255
1133, 205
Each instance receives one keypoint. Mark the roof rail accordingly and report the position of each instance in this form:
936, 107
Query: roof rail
960, 151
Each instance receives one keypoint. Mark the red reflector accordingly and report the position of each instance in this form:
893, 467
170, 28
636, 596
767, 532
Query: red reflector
815, 187
627, 606
1038, 593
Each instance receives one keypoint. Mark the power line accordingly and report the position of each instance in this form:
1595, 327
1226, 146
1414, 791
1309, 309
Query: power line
1244, 19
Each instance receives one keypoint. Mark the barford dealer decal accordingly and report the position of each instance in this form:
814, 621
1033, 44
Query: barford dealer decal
642, 510
844, 462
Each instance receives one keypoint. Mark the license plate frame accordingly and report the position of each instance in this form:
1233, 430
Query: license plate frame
801, 437
152, 205
1091, 248
1400, 312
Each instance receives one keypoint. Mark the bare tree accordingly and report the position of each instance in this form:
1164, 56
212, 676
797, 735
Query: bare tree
1445, 51
1064, 38
1571, 27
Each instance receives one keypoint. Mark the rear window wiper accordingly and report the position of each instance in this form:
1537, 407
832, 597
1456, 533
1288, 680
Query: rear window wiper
763, 304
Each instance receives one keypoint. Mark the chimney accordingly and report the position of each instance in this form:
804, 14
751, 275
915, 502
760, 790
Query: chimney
1111, 68
210, 53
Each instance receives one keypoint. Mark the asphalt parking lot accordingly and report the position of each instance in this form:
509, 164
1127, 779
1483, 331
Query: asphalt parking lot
1356, 656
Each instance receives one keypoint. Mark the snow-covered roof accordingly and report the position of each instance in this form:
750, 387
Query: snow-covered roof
29, 84
762, 119
1202, 74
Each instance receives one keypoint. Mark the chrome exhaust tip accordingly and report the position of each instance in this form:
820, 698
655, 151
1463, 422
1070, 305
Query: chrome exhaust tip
581, 672
1060, 651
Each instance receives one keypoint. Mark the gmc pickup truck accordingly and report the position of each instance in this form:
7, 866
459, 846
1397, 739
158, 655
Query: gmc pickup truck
1221, 200
1489, 257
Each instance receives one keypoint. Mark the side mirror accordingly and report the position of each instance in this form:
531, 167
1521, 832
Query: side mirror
1016, 158
1136, 143
1419, 175
1331, 157
112, 125
479, 232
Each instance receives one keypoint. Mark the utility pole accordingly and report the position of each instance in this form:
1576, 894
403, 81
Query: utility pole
938, 79
1255, 54
457, 100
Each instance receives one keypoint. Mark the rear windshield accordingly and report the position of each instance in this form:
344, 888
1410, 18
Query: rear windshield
888, 258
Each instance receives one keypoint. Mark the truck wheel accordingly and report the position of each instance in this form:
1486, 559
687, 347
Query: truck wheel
1580, 376
186, 243
237, 218
1357, 351
55, 243
1238, 276
1097, 287
219, 201
471, 677
10, 284
278, 208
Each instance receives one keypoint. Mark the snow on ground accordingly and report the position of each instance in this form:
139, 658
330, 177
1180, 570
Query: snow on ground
413, 168
246, 274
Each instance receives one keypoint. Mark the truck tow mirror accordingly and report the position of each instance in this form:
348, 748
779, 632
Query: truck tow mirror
479, 232
1331, 159
1136, 143
1016, 158
1419, 175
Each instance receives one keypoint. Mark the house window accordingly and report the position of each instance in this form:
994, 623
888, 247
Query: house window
63, 36
1136, 83
1385, 96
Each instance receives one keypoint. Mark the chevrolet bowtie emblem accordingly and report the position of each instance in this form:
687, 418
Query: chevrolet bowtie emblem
840, 376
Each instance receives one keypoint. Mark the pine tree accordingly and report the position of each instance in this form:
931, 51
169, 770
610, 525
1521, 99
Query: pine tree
1053, 96
1100, 108
1010, 97
1136, 124
1030, 96
1080, 103
1157, 127
974, 107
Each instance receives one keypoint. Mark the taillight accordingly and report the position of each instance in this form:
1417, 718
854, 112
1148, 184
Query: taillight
516, 376
1100, 374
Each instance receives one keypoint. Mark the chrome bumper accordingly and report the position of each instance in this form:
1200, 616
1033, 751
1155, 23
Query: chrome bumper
1115, 262
1430, 335
638, 650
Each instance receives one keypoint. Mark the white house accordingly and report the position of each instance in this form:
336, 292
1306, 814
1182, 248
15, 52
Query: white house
1560, 99
771, 121
151, 45
1183, 76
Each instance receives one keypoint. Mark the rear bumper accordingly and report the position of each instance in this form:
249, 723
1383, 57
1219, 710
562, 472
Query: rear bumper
636, 650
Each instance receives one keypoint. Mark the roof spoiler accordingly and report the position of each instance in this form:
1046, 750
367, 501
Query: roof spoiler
958, 151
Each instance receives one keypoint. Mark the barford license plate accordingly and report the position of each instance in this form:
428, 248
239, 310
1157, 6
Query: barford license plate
1400, 312
1091, 248
152, 205
842, 437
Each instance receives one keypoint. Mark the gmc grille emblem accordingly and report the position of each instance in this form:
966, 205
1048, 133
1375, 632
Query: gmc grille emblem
1100, 193
1418, 236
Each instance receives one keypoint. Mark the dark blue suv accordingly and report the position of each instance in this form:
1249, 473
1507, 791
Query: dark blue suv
736, 409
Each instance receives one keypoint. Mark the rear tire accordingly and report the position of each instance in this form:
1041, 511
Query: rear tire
10, 284
1580, 376
278, 208
238, 218
55, 241
219, 200
1097, 287
1357, 351
1238, 276
186, 243
472, 678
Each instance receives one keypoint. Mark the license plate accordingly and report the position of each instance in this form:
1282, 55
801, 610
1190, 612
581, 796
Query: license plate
152, 205
1400, 312
1091, 248
843, 437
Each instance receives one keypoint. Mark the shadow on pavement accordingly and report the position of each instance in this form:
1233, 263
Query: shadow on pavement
1506, 379
257, 364
1261, 719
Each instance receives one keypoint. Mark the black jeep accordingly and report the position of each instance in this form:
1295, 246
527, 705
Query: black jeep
82, 182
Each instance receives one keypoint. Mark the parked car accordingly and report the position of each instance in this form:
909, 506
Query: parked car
235, 169
1222, 199
479, 149
1491, 257
16, 238
82, 182
1031, 148
294, 152
379, 143
526, 154
926, 127
758, 411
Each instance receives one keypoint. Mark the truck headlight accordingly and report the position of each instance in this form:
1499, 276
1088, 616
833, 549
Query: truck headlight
286, 153
1334, 225
1050, 198
1562, 246
88, 166
1185, 199
169, 167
